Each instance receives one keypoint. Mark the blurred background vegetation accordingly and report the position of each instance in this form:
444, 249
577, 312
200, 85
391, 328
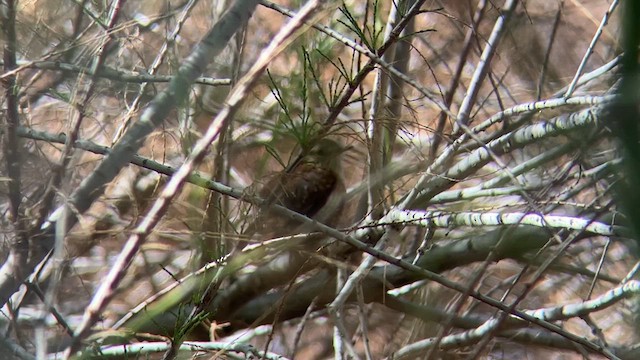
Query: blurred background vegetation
489, 172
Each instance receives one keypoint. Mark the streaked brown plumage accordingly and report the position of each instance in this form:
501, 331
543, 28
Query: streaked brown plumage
306, 189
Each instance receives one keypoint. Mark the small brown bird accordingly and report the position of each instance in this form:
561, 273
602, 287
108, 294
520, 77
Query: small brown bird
313, 187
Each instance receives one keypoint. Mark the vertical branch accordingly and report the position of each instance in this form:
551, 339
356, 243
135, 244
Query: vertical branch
79, 116
393, 110
11, 143
485, 61
455, 79
624, 116
587, 54
213, 244
20, 246
375, 125
547, 54
376, 134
